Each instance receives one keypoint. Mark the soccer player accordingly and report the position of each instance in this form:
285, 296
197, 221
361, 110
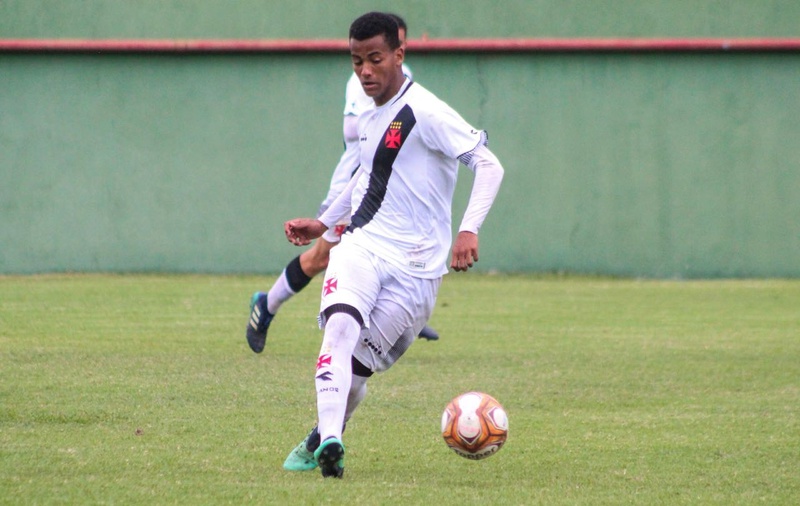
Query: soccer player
382, 280
301, 269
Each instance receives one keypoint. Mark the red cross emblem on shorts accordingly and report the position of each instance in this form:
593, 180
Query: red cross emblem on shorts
323, 360
330, 286
393, 139
338, 230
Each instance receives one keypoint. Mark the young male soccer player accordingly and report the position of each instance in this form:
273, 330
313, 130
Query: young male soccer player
301, 269
382, 280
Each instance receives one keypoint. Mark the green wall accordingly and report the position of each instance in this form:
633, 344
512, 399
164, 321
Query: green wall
162, 162
437, 18
653, 164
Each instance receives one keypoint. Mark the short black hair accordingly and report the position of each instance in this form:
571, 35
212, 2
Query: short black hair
373, 24
401, 23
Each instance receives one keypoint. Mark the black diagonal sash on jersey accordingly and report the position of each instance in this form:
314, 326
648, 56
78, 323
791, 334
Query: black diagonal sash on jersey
385, 155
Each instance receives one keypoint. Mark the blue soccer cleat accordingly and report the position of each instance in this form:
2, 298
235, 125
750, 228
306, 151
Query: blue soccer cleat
259, 322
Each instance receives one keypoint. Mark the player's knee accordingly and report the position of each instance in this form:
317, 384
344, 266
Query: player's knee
341, 327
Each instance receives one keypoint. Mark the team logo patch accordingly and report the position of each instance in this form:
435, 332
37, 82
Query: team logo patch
330, 286
325, 376
323, 360
393, 138
338, 230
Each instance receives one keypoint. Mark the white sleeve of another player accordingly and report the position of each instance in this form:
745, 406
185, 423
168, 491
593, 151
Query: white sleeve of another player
488, 176
348, 162
356, 100
341, 207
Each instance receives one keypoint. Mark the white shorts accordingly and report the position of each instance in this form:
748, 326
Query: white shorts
394, 305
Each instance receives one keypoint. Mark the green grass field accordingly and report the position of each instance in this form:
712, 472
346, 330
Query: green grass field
142, 390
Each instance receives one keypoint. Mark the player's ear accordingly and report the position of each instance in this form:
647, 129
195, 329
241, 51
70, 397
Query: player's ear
400, 54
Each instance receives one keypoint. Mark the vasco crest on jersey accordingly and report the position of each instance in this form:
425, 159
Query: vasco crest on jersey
394, 138
330, 285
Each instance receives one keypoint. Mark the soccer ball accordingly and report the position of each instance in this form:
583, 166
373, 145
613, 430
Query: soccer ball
474, 425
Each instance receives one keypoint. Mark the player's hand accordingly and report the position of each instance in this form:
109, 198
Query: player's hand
465, 251
301, 231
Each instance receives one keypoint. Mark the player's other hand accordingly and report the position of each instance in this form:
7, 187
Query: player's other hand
301, 231
465, 251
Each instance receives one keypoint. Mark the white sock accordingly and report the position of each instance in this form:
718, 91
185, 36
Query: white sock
334, 373
279, 293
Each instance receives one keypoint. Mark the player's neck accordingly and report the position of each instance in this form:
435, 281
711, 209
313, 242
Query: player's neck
391, 93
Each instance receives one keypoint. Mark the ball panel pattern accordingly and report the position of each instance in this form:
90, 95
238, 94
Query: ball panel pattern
474, 425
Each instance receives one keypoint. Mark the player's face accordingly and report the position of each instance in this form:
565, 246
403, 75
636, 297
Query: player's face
378, 67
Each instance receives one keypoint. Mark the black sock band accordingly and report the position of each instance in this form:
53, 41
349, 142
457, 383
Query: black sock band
359, 369
344, 308
295, 276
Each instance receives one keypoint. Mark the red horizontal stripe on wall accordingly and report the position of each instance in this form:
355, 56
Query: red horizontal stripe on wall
416, 45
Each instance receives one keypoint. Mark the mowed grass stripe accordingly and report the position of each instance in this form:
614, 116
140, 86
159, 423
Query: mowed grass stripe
140, 389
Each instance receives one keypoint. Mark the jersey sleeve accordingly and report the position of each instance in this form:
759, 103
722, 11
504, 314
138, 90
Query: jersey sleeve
488, 176
447, 132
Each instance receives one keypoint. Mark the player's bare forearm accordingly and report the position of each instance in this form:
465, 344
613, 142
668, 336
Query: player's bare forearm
465, 251
301, 231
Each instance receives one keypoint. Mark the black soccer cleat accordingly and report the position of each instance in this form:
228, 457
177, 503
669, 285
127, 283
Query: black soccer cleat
259, 322
330, 457
429, 334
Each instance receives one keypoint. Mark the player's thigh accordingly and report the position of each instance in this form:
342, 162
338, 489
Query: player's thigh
351, 279
409, 295
403, 307
379, 348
